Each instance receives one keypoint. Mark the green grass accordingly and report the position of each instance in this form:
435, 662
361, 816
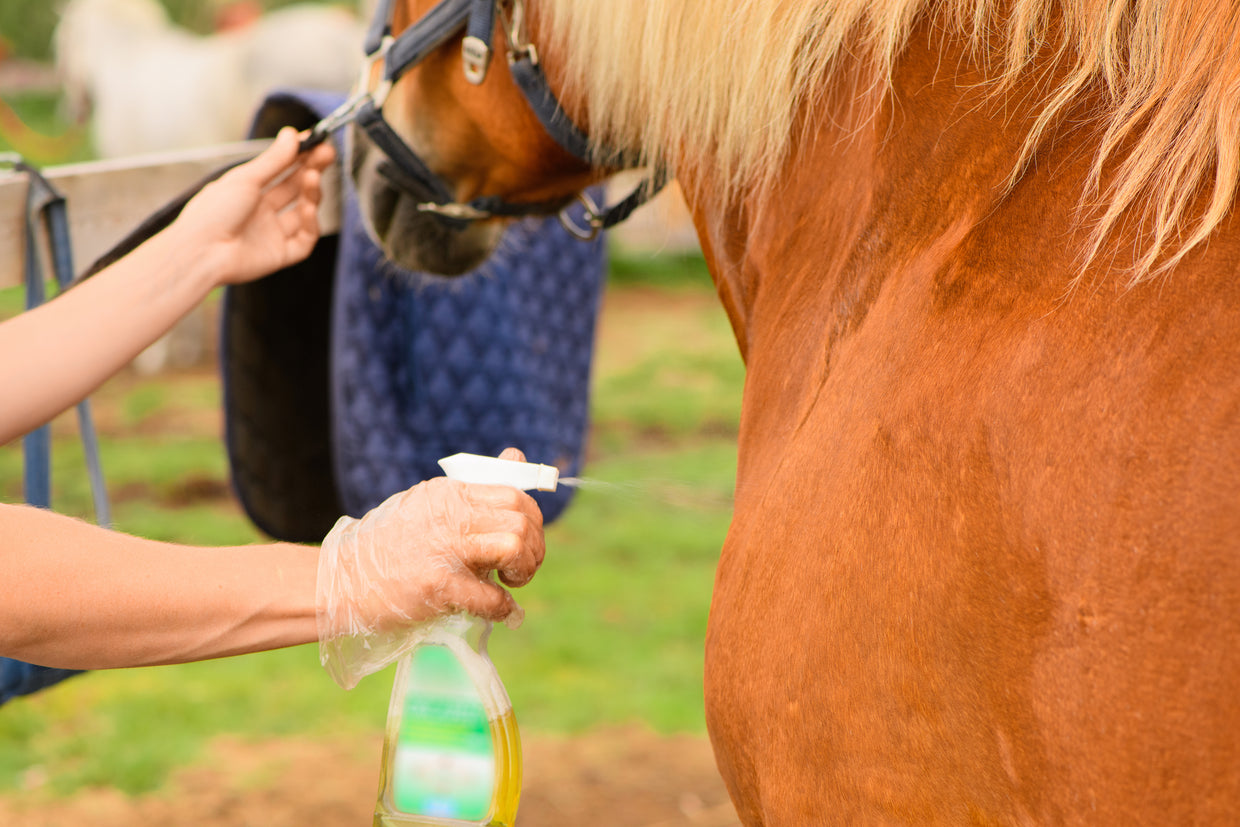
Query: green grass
659, 270
12, 301
615, 620
677, 396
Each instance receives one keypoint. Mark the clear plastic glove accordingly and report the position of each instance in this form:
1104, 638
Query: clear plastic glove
422, 554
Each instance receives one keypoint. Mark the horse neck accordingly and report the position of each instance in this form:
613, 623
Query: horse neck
874, 186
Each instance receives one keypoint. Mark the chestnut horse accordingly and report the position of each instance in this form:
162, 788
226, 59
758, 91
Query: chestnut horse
981, 262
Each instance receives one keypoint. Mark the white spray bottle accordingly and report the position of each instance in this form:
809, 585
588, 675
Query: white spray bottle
452, 751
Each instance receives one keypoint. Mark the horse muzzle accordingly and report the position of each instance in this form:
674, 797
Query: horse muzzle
391, 205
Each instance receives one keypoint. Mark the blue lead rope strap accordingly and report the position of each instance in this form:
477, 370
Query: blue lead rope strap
46, 205
36, 445
56, 215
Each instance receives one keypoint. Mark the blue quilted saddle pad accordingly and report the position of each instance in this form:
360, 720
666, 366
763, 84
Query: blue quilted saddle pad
346, 378
424, 367
18, 678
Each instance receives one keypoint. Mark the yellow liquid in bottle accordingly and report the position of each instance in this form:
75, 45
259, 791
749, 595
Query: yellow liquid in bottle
507, 770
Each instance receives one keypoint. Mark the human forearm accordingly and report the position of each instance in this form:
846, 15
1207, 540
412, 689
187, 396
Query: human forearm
56, 355
77, 596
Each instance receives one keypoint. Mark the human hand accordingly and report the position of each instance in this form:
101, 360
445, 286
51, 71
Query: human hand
423, 553
259, 216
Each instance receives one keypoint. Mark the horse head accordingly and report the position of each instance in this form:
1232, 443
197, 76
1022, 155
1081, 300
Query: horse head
451, 150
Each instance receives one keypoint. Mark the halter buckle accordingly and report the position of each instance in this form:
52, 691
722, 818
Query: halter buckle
458, 212
342, 114
519, 45
594, 219
477, 57
381, 92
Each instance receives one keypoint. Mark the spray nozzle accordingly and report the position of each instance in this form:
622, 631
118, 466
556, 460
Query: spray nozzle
494, 471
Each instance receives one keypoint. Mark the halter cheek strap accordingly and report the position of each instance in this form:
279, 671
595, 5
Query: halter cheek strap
525, 70
530, 79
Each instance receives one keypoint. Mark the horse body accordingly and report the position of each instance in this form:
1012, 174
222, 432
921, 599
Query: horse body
985, 533
983, 564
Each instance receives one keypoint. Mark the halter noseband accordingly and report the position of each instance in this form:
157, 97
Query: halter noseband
410, 48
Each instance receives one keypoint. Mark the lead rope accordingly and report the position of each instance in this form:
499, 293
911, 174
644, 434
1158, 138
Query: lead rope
46, 206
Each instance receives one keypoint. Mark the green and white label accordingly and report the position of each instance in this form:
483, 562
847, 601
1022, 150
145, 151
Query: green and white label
445, 759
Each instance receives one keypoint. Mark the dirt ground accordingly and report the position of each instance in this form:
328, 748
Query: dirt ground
619, 778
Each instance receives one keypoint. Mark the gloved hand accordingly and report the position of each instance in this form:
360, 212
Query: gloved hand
421, 554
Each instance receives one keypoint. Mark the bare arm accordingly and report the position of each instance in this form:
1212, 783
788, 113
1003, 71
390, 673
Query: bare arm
255, 219
78, 596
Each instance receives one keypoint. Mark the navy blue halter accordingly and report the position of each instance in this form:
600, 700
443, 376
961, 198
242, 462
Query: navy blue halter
407, 171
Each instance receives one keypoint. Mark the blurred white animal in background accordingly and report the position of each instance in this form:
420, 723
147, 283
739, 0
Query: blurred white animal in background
307, 45
152, 86
148, 85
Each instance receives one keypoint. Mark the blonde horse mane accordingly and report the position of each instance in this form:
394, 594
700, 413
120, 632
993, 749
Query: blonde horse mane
730, 76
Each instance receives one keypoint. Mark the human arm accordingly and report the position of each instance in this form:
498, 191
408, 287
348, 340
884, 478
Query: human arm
81, 597
247, 223
78, 596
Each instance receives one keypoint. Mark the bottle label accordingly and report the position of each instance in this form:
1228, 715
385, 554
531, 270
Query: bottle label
445, 759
